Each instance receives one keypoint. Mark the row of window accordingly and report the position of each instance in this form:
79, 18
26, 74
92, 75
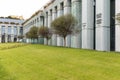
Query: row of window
34, 21
9, 30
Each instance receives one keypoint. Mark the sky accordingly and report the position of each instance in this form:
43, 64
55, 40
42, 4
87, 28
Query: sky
23, 8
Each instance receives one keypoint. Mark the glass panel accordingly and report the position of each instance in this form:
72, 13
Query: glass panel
9, 30
3, 30
15, 30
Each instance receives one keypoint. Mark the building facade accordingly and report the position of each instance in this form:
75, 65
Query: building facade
36, 20
10, 29
96, 21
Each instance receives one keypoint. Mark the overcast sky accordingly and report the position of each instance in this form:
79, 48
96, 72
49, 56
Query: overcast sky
23, 8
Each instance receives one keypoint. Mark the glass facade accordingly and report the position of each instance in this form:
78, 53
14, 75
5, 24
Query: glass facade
21, 31
15, 30
9, 30
3, 34
3, 30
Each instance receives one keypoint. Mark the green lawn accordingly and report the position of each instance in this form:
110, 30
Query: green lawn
38, 62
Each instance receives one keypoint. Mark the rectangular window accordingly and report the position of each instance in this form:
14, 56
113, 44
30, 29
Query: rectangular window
3, 30
21, 30
15, 30
9, 30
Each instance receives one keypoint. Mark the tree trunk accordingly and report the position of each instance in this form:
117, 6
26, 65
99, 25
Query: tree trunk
64, 41
47, 41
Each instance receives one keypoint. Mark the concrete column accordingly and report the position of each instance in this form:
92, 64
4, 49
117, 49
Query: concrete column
103, 25
6, 33
76, 41
117, 27
40, 39
67, 10
46, 24
49, 18
18, 32
49, 24
54, 37
12, 34
45, 20
87, 24
0, 34
59, 39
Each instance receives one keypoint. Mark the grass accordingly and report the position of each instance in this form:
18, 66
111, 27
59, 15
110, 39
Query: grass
38, 62
10, 45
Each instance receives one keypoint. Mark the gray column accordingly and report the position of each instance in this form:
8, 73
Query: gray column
59, 39
67, 10
18, 30
49, 24
49, 18
103, 25
12, 34
0, 34
117, 30
46, 24
54, 37
6, 33
76, 41
87, 23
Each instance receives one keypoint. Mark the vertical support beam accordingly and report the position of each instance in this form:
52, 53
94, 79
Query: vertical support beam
54, 37
117, 28
103, 25
12, 34
0, 34
6, 33
41, 23
76, 41
49, 24
46, 24
87, 24
49, 18
18, 32
59, 39
67, 10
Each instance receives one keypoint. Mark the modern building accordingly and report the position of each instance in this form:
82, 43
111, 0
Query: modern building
96, 21
10, 28
36, 20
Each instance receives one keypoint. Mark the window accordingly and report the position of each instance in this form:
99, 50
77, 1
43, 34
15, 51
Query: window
9, 30
15, 30
3, 30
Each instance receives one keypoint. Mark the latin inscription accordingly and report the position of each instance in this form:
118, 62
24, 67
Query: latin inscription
99, 20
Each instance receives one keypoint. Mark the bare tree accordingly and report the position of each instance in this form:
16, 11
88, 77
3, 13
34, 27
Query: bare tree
45, 32
64, 25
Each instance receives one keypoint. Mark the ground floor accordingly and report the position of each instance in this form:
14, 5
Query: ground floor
8, 38
98, 27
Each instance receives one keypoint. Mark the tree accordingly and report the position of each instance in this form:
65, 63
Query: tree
64, 25
33, 33
45, 32
27, 34
20, 37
